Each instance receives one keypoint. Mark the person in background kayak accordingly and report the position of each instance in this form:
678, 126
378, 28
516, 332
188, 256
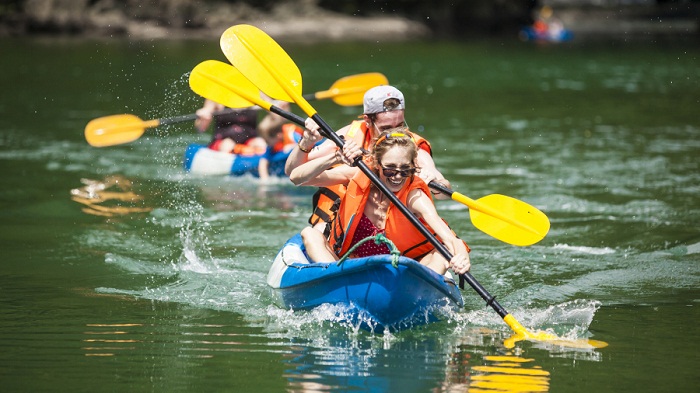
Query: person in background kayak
235, 131
281, 137
383, 109
365, 211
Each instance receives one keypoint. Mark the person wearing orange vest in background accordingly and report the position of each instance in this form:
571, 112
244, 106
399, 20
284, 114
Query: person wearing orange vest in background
365, 211
280, 136
383, 109
235, 131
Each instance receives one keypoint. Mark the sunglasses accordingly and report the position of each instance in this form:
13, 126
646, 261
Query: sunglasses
391, 172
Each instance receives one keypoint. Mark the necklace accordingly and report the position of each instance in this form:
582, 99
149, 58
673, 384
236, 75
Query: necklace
380, 206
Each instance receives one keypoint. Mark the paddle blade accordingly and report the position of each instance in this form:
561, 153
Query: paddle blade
520, 334
515, 223
222, 83
116, 130
350, 90
262, 61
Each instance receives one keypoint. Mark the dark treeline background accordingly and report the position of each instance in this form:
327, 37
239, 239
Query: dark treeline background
440, 17
445, 17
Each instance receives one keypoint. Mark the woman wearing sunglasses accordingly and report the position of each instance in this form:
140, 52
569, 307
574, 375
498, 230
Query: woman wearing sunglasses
365, 211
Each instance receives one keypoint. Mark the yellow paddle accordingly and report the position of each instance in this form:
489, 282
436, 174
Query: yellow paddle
119, 129
505, 218
223, 83
260, 59
350, 90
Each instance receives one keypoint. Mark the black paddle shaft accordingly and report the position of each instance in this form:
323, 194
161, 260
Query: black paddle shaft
287, 115
441, 188
166, 121
177, 119
490, 300
191, 117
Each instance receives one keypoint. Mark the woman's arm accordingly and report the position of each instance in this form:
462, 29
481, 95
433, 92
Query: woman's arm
421, 204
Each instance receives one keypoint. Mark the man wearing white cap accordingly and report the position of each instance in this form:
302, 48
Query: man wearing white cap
383, 110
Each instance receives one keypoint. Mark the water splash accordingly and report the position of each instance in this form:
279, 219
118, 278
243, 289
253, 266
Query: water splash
569, 320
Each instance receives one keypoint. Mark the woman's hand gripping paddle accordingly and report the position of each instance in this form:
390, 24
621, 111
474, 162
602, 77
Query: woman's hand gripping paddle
267, 65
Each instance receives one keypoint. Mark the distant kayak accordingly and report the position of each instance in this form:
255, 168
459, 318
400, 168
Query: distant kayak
200, 159
550, 35
375, 293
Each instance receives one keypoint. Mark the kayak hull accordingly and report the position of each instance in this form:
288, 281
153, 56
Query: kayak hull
375, 293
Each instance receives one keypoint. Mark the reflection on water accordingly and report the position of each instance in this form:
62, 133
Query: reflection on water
423, 361
336, 362
187, 340
509, 374
250, 194
99, 201
105, 339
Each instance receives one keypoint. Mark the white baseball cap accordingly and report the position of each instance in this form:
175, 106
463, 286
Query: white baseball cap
375, 97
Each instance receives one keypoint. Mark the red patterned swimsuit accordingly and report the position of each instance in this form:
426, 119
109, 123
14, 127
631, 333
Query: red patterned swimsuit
366, 229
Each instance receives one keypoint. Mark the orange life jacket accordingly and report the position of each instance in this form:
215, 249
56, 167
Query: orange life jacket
291, 134
241, 149
398, 228
326, 199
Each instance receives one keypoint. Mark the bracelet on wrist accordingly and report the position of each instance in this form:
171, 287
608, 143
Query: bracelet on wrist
304, 150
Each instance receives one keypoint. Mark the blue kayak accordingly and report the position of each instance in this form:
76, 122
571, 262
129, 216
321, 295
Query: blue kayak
201, 160
376, 294
559, 35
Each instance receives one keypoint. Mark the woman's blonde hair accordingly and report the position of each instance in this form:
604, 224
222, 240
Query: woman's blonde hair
397, 136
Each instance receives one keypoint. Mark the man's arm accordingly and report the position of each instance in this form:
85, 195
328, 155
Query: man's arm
326, 171
311, 135
428, 172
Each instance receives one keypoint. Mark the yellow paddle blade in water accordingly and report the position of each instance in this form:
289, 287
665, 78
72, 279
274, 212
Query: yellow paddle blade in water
116, 129
223, 83
350, 90
262, 61
522, 334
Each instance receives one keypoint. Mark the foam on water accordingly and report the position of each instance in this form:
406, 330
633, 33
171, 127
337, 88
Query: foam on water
222, 284
584, 250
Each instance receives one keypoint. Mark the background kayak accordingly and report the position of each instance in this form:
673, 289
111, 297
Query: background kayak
201, 160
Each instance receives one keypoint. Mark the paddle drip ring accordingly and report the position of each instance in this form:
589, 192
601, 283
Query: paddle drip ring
379, 239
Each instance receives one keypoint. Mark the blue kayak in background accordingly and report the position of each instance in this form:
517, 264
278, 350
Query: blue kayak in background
531, 34
375, 293
201, 160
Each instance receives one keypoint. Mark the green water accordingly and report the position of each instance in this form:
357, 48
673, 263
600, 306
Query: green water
604, 137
